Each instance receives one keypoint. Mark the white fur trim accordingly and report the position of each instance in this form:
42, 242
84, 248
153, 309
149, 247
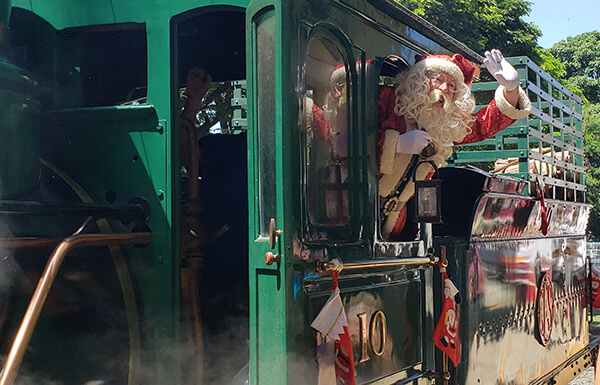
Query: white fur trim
389, 223
338, 76
442, 65
308, 109
388, 182
389, 151
523, 104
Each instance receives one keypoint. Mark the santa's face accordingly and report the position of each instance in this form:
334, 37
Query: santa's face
338, 89
443, 82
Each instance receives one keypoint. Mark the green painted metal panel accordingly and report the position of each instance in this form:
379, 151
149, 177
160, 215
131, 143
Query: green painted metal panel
72, 13
553, 128
19, 112
268, 284
137, 167
5, 11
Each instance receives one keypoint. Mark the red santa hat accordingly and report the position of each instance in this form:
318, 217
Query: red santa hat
338, 75
456, 66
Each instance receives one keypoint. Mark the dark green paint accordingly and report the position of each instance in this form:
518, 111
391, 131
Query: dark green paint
117, 153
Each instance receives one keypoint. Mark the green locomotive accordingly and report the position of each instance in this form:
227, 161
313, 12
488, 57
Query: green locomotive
121, 266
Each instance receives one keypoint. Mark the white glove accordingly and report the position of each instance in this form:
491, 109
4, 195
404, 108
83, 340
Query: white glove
413, 142
501, 70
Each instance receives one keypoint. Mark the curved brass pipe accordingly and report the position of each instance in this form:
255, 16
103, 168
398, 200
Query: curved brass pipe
338, 265
25, 242
194, 164
133, 321
195, 235
77, 240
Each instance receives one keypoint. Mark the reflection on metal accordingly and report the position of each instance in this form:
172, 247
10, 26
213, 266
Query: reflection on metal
508, 216
77, 240
28, 242
500, 296
377, 330
364, 338
274, 234
338, 265
504, 185
443, 260
567, 370
378, 327
271, 258
364, 296
545, 310
443, 376
428, 198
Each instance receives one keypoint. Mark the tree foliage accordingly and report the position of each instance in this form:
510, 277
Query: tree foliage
592, 155
581, 59
483, 24
575, 62
551, 65
579, 54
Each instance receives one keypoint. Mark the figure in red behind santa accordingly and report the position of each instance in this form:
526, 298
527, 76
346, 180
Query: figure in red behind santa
432, 104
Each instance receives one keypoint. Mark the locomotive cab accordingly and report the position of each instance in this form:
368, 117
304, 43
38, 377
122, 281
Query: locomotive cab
103, 145
202, 251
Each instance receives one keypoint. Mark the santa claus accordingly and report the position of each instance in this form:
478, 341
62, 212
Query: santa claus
432, 108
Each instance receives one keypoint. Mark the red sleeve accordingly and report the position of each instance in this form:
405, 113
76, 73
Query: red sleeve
388, 120
488, 122
320, 125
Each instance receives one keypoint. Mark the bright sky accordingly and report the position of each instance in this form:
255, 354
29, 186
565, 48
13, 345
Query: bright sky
559, 19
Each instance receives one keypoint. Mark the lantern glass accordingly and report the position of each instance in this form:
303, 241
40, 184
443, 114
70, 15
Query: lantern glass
428, 199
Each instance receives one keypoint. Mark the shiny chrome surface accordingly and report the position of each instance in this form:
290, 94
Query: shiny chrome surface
506, 216
338, 265
384, 322
505, 184
499, 315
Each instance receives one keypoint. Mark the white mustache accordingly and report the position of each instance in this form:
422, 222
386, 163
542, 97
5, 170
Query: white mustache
436, 95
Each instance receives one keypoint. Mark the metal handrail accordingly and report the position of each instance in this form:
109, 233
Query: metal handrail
17, 351
337, 265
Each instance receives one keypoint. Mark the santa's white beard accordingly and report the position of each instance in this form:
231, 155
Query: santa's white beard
439, 99
446, 123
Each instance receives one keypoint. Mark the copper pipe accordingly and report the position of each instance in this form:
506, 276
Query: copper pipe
197, 321
26, 242
338, 265
191, 301
445, 372
17, 351
194, 165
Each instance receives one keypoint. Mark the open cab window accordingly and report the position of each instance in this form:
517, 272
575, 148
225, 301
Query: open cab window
326, 134
397, 216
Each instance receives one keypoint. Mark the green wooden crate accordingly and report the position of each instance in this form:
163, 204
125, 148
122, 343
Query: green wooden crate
548, 144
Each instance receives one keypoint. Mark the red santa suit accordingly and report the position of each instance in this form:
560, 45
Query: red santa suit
497, 116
